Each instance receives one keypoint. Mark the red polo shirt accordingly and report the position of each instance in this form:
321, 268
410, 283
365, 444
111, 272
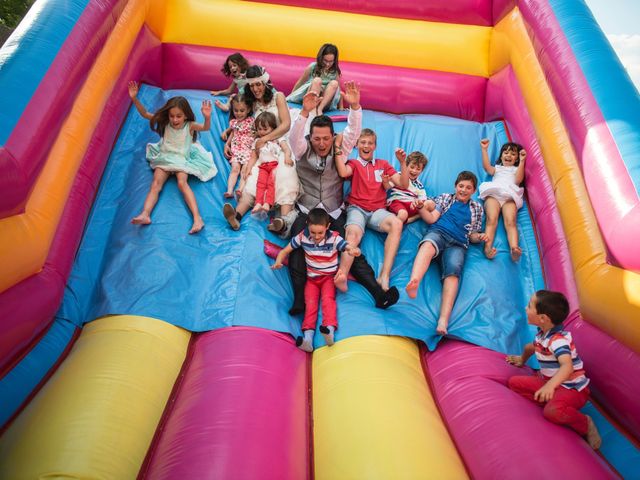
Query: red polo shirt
367, 191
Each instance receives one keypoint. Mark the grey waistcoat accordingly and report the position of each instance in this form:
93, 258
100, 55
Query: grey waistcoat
318, 186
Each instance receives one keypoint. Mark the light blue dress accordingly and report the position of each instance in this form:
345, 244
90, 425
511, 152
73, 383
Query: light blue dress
177, 152
298, 93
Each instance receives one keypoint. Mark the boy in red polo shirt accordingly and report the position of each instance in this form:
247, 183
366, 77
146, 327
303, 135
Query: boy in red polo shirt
366, 203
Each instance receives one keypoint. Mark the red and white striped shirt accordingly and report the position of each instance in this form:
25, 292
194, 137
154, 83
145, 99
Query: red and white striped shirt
321, 258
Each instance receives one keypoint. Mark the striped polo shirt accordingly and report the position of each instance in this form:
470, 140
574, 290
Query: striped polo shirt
321, 258
550, 346
415, 191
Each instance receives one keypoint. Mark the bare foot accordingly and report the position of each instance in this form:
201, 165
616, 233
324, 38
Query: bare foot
383, 281
227, 195
142, 219
340, 281
266, 207
257, 208
238, 194
441, 328
198, 225
412, 288
490, 251
516, 253
593, 437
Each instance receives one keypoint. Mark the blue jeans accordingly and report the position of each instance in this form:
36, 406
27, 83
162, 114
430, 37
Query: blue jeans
450, 252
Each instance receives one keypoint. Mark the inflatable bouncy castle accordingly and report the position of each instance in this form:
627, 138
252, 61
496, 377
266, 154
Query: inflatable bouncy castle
130, 351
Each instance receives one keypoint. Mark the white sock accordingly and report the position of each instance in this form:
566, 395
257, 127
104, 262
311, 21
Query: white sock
307, 341
328, 336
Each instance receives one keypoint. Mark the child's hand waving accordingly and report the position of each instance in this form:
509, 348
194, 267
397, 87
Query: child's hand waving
206, 108
484, 143
134, 88
401, 155
351, 94
523, 155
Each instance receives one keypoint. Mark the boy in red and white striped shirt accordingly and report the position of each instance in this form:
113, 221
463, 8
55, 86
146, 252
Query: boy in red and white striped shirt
561, 385
321, 247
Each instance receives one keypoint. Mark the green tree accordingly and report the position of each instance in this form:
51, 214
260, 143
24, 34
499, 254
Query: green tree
12, 11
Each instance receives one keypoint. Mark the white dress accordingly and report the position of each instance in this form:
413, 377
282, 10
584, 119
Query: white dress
287, 185
503, 186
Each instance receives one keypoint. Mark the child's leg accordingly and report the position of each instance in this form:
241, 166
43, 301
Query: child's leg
261, 187
492, 211
270, 191
509, 213
564, 409
159, 179
233, 178
190, 199
393, 227
449, 293
328, 94
311, 298
403, 215
426, 252
329, 315
354, 235
526, 385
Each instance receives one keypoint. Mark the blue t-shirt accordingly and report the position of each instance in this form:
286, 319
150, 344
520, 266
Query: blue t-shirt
455, 222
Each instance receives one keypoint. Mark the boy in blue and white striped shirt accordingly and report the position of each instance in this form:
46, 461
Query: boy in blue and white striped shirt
561, 384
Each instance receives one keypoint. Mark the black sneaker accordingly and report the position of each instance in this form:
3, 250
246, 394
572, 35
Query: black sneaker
388, 298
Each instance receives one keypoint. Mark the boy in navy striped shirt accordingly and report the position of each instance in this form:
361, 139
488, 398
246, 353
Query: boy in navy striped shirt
561, 385
321, 247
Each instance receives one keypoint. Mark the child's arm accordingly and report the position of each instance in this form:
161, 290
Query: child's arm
282, 254
227, 134
303, 78
386, 182
247, 167
285, 122
520, 360
545, 393
429, 216
401, 179
134, 88
344, 170
227, 91
520, 171
486, 164
206, 113
287, 152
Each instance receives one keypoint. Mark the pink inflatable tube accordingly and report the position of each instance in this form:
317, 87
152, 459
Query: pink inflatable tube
241, 411
470, 383
617, 389
26, 148
470, 12
613, 195
23, 321
389, 89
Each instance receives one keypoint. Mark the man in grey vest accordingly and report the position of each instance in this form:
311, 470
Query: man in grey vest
321, 187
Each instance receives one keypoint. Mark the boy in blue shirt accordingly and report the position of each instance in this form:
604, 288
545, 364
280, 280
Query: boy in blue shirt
456, 221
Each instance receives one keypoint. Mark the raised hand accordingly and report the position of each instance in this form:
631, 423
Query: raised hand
484, 143
206, 108
310, 101
351, 94
401, 155
523, 155
134, 88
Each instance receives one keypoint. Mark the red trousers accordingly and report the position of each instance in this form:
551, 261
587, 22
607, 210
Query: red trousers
266, 183
563, 408
320, 288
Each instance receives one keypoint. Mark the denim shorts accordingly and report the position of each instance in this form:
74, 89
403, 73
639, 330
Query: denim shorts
362, 218
450, 252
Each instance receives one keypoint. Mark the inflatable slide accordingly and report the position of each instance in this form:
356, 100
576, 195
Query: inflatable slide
130, 351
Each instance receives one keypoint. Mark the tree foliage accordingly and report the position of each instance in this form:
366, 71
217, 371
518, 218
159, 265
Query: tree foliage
12, 11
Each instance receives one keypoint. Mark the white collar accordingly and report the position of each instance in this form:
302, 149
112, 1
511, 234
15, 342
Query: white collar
364, 162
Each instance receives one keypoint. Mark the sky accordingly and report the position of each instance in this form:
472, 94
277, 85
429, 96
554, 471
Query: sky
620, 21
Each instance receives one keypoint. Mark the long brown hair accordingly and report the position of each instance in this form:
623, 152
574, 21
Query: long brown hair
160, 119
326, 49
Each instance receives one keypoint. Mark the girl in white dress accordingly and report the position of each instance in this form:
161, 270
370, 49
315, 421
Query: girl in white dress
503, 194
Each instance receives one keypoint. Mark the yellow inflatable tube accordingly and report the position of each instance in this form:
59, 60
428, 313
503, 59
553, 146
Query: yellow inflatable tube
97, 415
25, 238
374, 416
300, 31
609, 296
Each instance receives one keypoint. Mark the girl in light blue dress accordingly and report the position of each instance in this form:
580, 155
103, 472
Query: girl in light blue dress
177, 152
322, 77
